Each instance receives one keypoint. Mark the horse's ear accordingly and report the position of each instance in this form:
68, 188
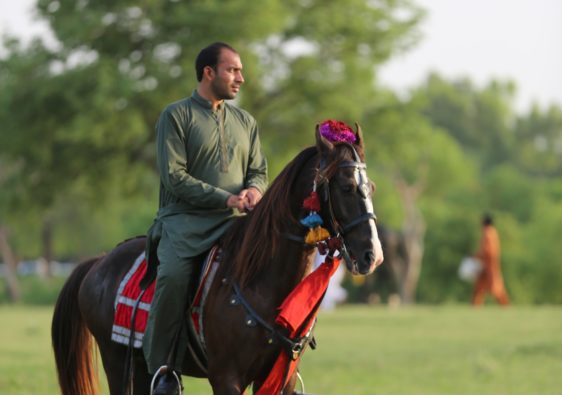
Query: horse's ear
324, 146
358, 135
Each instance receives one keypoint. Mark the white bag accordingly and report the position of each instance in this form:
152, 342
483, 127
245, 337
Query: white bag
469, 269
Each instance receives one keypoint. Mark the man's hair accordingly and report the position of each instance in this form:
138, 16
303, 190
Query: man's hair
487, 219
209, 56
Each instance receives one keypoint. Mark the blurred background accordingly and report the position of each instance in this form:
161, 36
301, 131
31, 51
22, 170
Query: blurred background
460, 103
461, 107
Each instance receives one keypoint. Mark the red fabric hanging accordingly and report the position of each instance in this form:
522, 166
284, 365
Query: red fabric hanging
293, 312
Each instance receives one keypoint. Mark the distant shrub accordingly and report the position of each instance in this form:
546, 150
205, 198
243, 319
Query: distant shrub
35, 290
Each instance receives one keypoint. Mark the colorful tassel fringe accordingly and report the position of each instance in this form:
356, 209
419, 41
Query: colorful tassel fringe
313, 221
316, 235
312, 202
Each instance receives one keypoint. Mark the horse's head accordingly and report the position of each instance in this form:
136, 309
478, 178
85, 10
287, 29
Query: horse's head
346, 193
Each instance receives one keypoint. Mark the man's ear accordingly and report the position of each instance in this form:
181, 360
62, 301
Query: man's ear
324, 146
209, 72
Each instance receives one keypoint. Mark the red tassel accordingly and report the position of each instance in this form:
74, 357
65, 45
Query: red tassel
312, 202
322, 248
334, 244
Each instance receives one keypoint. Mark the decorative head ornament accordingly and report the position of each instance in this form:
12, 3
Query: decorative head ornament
335, 131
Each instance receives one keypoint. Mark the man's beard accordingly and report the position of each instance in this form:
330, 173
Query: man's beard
221, 91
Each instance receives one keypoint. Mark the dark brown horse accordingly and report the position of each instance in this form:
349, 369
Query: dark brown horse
263, 253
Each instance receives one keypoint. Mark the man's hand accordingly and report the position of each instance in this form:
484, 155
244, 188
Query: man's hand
246, 200
250, 197
234, 201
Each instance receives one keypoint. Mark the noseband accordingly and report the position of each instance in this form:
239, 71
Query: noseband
336, 227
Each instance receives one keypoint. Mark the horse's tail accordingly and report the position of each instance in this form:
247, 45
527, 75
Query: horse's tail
72, 341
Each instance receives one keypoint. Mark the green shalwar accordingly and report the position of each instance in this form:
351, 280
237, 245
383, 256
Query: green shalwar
203, 156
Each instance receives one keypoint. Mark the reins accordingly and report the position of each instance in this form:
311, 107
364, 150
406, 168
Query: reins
293, 347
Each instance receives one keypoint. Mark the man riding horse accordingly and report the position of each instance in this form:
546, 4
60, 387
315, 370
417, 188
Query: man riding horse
211, 170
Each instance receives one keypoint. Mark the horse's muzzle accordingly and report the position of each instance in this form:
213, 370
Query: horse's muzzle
370, 261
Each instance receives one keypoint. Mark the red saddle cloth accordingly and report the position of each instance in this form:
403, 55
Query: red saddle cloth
301, 304
127, 296
129, 292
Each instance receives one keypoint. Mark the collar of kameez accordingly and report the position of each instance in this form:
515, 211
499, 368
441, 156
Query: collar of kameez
204, 102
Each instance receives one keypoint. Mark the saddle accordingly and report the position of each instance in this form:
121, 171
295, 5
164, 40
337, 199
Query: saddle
134, 298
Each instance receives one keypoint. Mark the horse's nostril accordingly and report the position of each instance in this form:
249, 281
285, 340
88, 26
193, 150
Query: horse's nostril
369, 256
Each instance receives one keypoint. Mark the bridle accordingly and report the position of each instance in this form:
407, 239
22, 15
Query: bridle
335, 227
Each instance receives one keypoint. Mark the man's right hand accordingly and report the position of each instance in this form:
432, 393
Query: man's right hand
235, 201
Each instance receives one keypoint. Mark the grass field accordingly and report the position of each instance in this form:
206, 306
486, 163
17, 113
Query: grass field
450, 350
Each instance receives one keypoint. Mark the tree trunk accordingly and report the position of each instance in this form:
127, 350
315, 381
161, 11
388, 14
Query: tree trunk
10, 264
414, 232
44, 263
414, 243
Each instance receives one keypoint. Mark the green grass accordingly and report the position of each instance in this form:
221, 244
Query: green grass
449, 350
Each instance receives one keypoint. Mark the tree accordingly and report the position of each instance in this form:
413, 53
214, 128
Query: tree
539, 142
55, 127
424, 165
514, 162
81, 116
479, 120
10, 265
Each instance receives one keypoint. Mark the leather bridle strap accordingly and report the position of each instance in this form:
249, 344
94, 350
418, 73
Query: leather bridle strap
335, 227
362, 218
362, 181
293, 346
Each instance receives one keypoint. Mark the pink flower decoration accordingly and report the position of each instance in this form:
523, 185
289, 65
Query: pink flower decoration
335, 131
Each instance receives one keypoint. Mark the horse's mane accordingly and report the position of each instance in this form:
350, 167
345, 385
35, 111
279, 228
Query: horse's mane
254, 239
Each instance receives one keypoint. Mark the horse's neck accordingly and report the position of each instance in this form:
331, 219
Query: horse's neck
294, 260
287, 269
279, 271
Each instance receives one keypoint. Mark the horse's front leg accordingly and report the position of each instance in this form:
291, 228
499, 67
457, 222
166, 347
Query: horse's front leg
290, 387
224, 385
226, 389
288, 390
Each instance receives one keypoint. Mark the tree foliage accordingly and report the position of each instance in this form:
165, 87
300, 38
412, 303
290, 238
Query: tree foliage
80, 118
510, 180
77, 137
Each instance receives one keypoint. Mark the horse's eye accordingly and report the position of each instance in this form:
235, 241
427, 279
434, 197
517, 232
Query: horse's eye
348, 188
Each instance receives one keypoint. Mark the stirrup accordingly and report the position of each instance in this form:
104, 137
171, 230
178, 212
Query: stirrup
301, 381
159, 373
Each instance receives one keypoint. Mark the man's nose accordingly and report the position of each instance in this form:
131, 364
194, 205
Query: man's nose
239, 77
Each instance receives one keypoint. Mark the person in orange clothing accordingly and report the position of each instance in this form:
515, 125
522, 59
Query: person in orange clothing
490, 278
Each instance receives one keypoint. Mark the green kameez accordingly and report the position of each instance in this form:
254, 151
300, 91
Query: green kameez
204, 157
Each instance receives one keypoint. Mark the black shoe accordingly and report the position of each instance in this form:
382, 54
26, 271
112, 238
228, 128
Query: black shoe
167, 384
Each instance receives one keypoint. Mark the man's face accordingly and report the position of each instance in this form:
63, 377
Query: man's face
228, 75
